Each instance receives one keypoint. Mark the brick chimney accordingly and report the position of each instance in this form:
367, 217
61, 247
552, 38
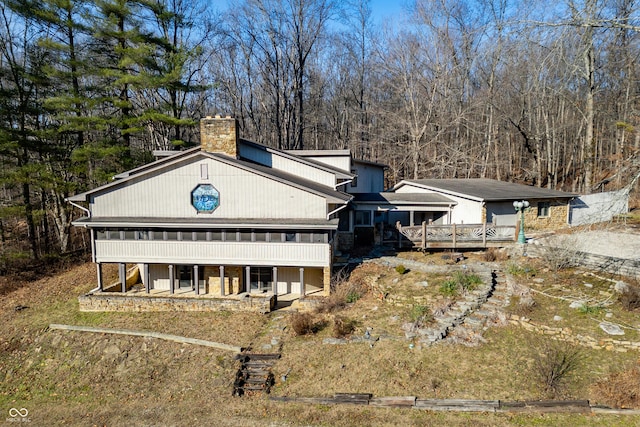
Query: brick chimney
219, 135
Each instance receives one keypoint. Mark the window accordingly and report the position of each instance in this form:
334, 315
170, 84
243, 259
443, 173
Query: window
354, 182
289, 237
543, 209
261, 279
363, 218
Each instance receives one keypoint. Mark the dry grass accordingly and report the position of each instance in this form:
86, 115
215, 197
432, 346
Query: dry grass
620, 389
77, 379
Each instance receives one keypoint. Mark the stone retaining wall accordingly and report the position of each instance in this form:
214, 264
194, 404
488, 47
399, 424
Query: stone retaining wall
126, 303
565, 334
622, 266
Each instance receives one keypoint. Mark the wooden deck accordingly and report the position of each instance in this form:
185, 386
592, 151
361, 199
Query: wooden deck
455, 236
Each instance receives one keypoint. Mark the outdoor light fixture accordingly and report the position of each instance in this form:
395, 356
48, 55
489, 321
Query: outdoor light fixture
520, 207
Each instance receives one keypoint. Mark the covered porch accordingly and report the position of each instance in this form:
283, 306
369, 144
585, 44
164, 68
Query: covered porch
215, 280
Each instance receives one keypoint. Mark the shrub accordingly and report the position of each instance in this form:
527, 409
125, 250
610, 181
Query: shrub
518, 270
562, 255
553, 364
343, 327
522, 305
630, 298
467, 281
461, 281
590, 309
400, 269
420, 315
302, 323
352, 296
343, 291
449, 288
493, 254
620, 389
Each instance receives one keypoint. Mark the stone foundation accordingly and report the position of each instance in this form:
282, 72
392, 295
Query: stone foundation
263, 303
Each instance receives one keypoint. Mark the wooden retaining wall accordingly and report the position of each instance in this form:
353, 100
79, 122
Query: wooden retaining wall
459, 405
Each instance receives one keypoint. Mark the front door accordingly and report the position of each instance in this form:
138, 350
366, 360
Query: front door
185, 276
261, 279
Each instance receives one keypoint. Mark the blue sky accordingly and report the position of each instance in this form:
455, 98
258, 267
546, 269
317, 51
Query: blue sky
386, 9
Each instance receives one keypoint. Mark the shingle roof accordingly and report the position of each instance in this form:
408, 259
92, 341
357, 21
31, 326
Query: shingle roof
488, 189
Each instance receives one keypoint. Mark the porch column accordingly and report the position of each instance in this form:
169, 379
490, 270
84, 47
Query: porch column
196, 279
172, 285
275, 281
222, 280
99, 268
145, 278
247, 285
302, 293
122, 272
411, 218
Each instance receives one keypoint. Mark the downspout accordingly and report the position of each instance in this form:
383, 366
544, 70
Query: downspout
337, 210
80, 207
335, 187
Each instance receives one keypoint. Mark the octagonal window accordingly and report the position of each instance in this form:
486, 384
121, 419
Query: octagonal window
205, 198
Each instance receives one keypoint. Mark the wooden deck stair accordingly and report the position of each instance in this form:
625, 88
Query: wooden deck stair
254, 374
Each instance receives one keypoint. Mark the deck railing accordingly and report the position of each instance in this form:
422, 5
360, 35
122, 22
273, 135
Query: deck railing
455, 235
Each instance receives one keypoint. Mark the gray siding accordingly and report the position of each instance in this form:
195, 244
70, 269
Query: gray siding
242, 195
292, 166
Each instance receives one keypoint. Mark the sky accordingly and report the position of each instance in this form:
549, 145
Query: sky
383, 10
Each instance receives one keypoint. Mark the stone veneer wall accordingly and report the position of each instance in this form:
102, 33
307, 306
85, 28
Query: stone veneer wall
558, 217
219, 135
127, 303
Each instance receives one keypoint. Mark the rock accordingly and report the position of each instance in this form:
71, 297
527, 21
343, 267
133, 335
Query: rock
266, 347
538, 280
424, 284
611, 329
621, 287
576, 304
557, 318
588, 285
334, 341
275, 341
608, 315
112, 351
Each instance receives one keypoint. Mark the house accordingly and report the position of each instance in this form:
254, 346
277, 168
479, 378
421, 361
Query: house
478, 201
230, 217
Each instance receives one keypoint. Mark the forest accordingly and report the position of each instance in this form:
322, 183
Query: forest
533, 92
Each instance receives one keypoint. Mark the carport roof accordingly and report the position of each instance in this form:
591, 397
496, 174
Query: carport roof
486, 189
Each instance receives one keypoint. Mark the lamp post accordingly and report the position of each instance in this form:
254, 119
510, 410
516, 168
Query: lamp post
520, 207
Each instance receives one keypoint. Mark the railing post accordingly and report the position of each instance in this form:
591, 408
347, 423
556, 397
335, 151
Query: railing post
424, 235
399, 228
484, 234
453, 229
